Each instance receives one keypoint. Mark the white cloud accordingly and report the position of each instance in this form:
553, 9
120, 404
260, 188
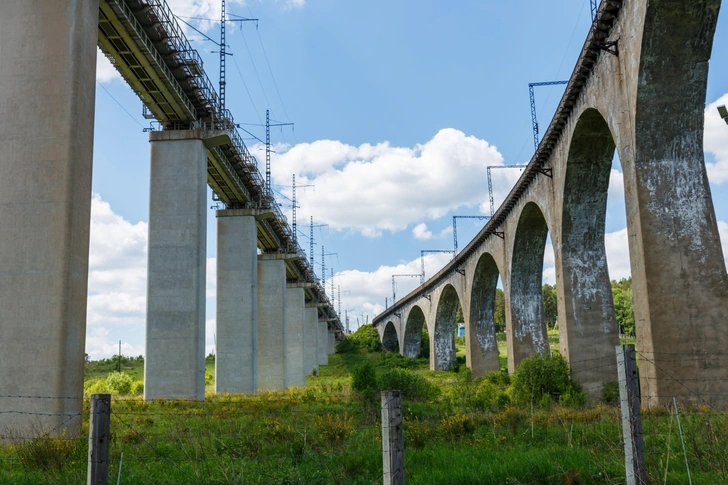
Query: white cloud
723, 230
372, 188
420, 232
716, 141
105, 71
617, 248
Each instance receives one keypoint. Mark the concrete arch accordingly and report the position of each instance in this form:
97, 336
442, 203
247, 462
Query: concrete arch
481, 344
442, 350
588, 327
413, 332
390, 340
526, 330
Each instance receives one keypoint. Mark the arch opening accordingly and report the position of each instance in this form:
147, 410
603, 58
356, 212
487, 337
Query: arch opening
390, 341
414, 327
482, 354
589, 330
442, 353
527, 334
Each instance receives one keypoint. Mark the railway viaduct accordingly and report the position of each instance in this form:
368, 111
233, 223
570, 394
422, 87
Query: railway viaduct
639, 87
275, 323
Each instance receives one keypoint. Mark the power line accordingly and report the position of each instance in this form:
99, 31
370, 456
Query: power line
120, 105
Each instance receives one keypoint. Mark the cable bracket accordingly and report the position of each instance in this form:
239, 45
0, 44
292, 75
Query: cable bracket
499, 234
460, 270
547, 172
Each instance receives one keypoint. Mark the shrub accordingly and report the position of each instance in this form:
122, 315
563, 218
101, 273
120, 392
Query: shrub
46, 452
119, 383
610, 393
539, 375
500, 378
334, 429
364, 378
366, 338
417, 433
95, 386
455, 427
413, 386
137, 387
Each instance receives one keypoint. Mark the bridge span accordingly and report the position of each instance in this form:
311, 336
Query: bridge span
275, 323
639, 87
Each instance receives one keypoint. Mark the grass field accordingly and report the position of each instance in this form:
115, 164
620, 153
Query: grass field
457, 430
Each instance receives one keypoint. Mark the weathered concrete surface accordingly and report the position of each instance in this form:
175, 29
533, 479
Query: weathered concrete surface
311, 340
236, 359
47, 89
271, 325
648, 102
322, 338
442, 342
295, 322
331, 346
174, 366
412, 333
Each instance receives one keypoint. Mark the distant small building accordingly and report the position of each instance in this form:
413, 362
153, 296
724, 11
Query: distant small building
461, 330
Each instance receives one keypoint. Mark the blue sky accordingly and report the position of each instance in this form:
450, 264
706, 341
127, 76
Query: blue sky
382, 94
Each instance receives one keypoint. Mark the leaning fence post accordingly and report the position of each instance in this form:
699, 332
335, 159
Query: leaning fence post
99, 431
629, 400
392, 438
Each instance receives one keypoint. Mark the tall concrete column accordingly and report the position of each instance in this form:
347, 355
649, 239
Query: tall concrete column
311, 340
295, 323
271, 324
174, 366
331, 343
236, 362
322, 336
47, 94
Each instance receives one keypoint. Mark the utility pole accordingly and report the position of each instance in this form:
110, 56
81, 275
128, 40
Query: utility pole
323, 264
490, 187
268, 124
455, 229
223, 53
594, 7
534, 120
422, 256
394, 287
295, 206
311, 243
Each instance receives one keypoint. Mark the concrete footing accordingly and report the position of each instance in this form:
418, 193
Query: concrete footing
295, 323
311, 341
47, 93
236, 362
271, 324
174, 367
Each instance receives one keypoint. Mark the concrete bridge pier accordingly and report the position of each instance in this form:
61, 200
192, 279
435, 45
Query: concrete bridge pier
295, 331
331, 343
311, 339
174, 367
323, 343
236, 362
47, 95
271, 322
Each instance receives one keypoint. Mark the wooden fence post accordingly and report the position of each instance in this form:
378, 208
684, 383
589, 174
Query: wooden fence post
99, 432
629, 400
392, 438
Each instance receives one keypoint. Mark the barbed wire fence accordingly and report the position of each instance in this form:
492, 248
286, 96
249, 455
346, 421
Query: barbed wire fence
340, 438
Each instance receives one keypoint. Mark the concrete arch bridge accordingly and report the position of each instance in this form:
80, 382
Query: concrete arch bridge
639, 87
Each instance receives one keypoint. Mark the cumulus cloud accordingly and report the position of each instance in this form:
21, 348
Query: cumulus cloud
716, 141
374, 188
421, 232
105, 71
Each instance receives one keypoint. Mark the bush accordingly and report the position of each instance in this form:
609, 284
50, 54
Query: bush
539, 375
366, 338
95, 386
137, 388
364, 378
500, 378
413, 386
46, 452
455, 427
119, 383
610, 393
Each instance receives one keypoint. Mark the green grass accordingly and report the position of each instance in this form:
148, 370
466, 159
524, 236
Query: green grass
325, 433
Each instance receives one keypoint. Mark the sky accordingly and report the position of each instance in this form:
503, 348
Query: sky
398, 108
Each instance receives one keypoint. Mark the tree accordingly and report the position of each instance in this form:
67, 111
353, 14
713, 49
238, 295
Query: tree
499, 315
550, 316
624, 306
